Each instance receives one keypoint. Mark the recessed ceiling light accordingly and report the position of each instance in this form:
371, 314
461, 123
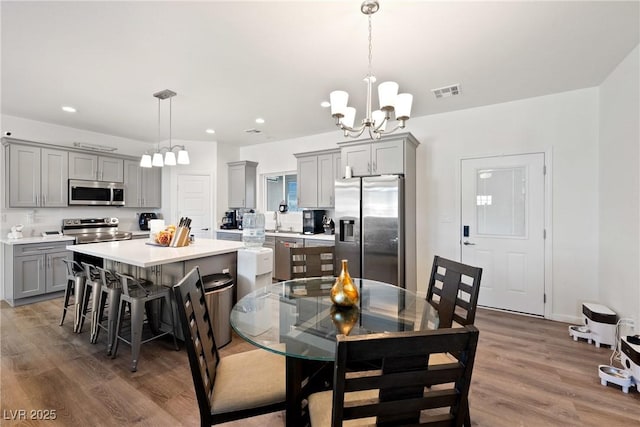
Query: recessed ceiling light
260, 120
325, 104
210, 131
68, 109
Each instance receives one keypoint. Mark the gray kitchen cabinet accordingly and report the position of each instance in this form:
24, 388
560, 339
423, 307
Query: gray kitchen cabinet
34, 271
37, 177
235, 237
92, 167
143, 185
387, 156
316, 177
307, 181
242, 184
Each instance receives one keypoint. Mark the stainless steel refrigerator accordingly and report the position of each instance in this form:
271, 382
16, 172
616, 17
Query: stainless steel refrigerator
369, 213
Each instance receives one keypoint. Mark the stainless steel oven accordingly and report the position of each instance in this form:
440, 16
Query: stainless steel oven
98, 193
93, 230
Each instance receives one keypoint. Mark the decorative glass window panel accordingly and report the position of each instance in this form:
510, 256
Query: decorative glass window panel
501, 198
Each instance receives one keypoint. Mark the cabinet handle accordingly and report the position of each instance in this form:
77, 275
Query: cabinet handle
36, 199
48, 262
369, 167
44, 200
375, 167
44, 248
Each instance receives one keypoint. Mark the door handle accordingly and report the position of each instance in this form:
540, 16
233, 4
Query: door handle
205, 229
467, 243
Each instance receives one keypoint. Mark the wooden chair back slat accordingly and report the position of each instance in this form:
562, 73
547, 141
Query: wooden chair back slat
453, 289
402, 385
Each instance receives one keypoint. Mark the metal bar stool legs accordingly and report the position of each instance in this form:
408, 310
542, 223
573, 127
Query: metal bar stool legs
110, 297
75, 282
90, 294
137, 298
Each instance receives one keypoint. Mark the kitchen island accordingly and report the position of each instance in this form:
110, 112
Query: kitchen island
162, 264
140, 253
166, 265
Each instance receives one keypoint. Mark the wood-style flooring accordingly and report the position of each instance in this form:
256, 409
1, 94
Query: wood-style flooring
528, 372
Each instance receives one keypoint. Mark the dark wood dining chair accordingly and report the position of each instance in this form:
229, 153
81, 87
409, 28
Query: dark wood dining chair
238, 386
453, 290
406, 390
314, 261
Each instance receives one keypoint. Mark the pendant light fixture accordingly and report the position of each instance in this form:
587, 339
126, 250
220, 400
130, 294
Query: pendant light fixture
169, 157
389, 98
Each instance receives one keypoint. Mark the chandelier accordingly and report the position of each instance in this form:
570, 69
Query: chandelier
169, 152
389, 98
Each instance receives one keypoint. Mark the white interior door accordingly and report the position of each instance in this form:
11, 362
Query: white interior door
503, 229
194, 201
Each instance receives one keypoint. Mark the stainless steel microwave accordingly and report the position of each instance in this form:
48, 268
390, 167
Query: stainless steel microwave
96, 193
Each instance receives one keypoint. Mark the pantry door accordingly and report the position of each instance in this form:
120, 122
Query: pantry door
194, 201
503, 229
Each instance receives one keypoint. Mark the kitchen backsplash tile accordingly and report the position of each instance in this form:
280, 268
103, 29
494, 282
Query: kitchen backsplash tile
289, 221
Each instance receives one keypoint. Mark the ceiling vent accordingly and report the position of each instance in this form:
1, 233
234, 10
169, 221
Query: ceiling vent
444, 92
253, 130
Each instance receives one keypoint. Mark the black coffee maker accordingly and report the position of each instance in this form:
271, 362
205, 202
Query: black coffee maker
229, 221
144, 218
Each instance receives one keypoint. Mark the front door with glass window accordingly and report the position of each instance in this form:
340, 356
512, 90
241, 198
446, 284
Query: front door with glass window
503, 229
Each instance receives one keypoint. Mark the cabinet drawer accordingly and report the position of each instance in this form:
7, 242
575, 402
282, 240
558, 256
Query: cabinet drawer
40, 248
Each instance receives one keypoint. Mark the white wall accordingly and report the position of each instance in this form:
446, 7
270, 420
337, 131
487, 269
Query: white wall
619, 181
564, 123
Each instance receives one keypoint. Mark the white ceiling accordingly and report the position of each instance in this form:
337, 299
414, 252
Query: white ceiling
231, 62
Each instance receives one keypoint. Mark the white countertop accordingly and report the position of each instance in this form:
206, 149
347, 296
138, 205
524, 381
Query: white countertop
138, 253
38, 239
329, 237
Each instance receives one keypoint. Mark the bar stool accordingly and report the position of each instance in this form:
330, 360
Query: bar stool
75, 282
136, 297
109, 297
92, 289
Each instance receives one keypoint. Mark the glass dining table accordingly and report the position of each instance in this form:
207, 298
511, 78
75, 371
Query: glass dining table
297, 319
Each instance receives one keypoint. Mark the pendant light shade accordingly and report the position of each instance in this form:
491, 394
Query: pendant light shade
157, 160
183, 157
145, 161
170, 158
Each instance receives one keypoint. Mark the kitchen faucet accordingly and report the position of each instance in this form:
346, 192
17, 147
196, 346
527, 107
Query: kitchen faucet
276, 217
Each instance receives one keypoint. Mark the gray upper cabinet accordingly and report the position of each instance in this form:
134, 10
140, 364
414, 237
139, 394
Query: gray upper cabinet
143, 185
316, 176
307, 181
38, 177
242, 184
91, 167
388, 156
